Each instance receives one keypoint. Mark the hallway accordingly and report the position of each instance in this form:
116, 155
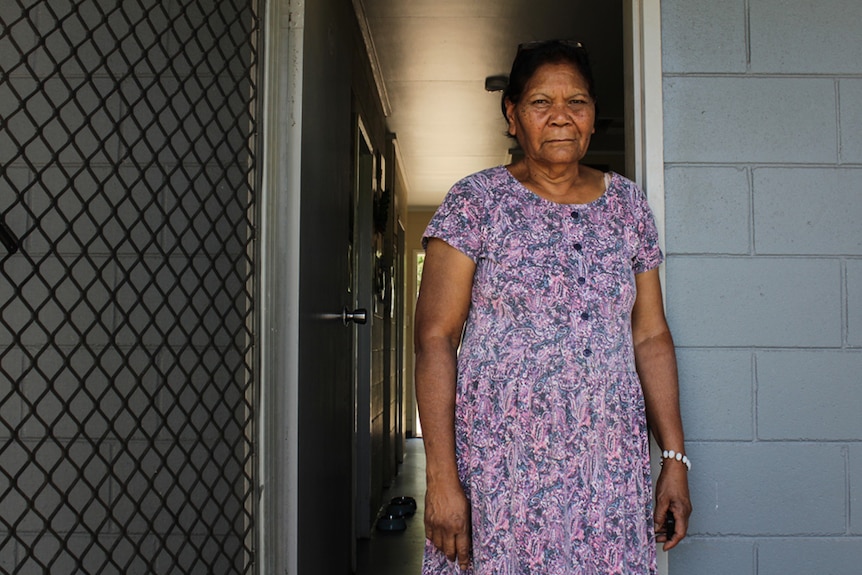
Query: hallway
399, 553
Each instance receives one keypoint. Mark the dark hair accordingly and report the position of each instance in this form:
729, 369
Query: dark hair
533, 55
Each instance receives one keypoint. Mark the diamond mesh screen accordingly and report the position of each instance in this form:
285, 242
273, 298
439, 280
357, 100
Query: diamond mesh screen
127, 192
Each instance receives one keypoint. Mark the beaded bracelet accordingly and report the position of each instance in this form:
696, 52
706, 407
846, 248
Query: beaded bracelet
671, 454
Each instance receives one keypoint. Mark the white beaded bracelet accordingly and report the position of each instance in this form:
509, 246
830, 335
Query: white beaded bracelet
671, 454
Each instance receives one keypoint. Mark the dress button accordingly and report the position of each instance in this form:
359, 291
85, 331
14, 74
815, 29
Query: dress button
582, 280
588, 352
575, 215
585, 316
578, 247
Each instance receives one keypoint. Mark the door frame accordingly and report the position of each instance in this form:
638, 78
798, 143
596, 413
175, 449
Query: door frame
278, 320
279, 264
364, 188
644, 101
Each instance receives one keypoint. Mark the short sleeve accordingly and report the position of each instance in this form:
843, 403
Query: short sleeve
648, 254
459, 219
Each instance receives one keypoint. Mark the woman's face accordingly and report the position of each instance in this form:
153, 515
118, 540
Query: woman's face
555, 117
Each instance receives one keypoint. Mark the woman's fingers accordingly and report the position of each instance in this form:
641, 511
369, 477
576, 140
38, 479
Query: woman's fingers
456, 547
447, 524
449, 548
681, 511
680, 530
462, 544
454, 543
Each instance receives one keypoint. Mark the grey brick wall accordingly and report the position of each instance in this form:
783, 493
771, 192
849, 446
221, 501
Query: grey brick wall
763, 181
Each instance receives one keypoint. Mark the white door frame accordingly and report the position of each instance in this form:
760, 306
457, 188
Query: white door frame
278, 325
278, 296
644, 116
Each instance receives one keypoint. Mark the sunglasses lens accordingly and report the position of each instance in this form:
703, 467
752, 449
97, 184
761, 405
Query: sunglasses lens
548, 43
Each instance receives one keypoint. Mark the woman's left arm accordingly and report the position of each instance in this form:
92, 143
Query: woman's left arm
655, 360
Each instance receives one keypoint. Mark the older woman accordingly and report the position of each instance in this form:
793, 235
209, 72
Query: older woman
543, 351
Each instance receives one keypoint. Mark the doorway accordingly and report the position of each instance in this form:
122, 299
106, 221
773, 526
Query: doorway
317, 32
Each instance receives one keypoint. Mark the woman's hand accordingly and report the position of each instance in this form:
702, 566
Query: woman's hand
447, 522
672, 496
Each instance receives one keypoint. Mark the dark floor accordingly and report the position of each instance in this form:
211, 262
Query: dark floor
399, 553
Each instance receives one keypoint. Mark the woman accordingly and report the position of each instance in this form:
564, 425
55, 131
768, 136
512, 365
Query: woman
535, 421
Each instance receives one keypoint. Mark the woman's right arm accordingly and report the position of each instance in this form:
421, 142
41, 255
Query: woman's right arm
441, 310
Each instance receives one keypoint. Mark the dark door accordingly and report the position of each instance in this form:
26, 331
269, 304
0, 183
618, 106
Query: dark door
325, 394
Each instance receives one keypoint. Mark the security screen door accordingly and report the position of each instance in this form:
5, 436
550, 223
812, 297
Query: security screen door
128, 180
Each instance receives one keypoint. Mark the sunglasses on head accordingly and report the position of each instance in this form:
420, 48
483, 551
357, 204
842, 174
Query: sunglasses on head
526, 46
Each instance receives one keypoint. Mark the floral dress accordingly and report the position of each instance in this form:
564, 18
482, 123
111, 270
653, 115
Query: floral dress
551, 435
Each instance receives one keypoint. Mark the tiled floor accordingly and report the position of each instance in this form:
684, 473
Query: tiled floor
399, 553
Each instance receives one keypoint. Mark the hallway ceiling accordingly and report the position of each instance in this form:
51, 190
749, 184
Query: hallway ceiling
432, 58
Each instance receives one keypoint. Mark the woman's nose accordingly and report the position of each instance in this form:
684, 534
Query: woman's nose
560, 114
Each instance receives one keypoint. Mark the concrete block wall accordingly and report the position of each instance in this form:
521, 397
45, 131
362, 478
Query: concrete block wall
763, 184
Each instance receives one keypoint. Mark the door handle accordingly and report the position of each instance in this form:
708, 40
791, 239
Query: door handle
356, 316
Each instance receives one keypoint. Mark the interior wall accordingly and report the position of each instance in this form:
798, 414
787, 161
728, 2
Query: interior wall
384, 383
404, 306
763, 158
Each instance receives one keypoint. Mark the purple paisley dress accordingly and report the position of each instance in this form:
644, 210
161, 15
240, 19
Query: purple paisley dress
551, 435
